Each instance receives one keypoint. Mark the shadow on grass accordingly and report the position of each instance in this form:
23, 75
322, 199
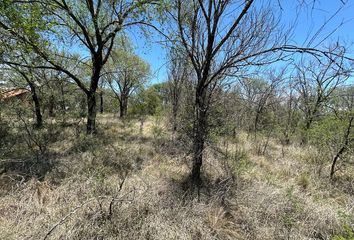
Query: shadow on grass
107, 152
15, 172
344, 183
84, 142
27, 168
206, 190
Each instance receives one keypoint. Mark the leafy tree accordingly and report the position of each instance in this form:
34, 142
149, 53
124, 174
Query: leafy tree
124, 74
147, 102
42, 26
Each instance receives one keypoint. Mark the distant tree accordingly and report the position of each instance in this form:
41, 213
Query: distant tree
316, 82
258, 95
146, 102
149, 101
179, 70
124, 74
288, 115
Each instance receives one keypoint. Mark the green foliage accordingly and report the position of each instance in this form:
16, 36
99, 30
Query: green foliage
348, 234
303, 180
240, 161
219, 124
4, 133
27, 19
293, 210
328, 136
146, 102
347, 228
327, 132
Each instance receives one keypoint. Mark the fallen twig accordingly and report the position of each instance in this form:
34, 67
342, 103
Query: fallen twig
113, 199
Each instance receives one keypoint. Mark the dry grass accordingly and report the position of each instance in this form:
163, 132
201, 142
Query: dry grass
281, 195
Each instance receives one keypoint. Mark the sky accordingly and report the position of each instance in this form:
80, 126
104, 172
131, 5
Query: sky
309, 19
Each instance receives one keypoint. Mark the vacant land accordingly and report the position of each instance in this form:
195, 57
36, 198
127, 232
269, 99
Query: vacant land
129, 182
177, 119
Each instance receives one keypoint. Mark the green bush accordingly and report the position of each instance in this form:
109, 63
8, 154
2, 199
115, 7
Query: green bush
4, 131
240, 162
303, 180
146, 102
348, 234
327, 133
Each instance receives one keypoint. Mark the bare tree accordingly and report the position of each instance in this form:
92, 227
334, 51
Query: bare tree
221, 38
212, 49
259, 94
316, 82
219, 43
178, 72
288, 117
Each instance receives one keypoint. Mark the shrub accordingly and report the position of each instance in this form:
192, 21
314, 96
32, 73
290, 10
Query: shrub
303, 180
348, 233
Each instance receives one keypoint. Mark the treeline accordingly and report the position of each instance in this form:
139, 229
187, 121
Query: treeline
311, 104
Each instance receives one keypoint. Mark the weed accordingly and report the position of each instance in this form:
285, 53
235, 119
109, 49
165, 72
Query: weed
303, 180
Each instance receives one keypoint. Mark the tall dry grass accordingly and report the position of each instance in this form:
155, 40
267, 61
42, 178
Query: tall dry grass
127, 184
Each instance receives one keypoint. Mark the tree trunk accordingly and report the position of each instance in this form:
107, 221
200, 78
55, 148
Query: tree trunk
123, 106
121, 110
305, 137
174, 116
334, 162
51, 106
308, 124
101, 102
200, 132
37, 105
62, 102
256, 124
286, 137
142, 120
343, 148
91, 113
97, 61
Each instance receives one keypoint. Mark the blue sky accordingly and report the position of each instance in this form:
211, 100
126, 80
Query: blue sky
310, 18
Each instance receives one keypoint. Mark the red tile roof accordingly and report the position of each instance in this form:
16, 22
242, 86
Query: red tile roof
13, 93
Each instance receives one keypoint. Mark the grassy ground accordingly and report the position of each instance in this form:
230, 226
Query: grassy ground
128, 184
